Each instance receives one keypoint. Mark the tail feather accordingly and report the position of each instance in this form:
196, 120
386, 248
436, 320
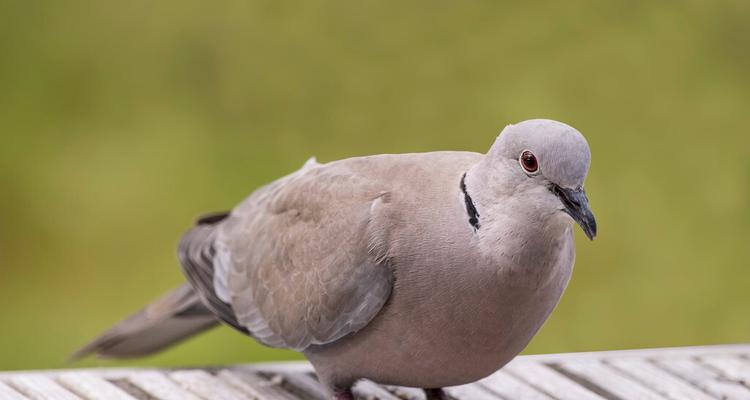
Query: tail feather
172, 318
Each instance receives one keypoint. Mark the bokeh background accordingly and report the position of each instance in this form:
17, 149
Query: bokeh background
122, 121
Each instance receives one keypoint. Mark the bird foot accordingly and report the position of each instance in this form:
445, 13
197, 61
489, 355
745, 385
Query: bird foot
436, 394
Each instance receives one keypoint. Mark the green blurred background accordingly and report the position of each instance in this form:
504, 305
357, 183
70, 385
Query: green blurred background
122, 121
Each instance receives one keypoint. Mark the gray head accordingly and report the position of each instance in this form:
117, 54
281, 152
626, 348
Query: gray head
545, 163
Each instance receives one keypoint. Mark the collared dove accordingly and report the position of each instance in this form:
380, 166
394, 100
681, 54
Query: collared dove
424, 270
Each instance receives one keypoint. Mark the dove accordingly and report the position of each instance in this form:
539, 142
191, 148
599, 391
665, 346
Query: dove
424, 270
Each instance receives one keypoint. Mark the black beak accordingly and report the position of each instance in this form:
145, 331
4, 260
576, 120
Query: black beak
577, 206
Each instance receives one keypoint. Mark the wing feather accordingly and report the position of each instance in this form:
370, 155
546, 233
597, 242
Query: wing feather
299, 260
197, 254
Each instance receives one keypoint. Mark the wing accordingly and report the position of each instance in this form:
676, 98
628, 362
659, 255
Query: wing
197, 253
302, 261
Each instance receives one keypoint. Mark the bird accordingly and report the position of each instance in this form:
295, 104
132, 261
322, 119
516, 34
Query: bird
425, 270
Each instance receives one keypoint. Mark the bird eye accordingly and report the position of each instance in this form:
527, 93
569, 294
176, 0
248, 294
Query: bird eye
528, 162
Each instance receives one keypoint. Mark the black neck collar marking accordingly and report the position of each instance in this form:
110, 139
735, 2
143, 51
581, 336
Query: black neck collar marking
470, 208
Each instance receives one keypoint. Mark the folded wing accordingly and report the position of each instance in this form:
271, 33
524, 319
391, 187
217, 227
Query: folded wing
302, 261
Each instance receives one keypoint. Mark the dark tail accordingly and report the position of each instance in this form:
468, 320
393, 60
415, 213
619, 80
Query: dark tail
172, 318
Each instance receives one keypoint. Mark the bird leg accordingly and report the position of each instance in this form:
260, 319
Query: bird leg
436, 394
343, 394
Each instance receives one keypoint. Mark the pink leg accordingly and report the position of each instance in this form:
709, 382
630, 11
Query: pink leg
343, 394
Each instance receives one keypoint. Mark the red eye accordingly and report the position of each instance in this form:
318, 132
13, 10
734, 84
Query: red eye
528, 162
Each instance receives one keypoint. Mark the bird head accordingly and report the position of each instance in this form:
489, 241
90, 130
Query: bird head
544, 163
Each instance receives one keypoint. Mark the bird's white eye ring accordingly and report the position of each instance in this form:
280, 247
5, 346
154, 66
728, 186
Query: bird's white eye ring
528, 162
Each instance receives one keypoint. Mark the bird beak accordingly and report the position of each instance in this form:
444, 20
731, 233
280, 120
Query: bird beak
577, 206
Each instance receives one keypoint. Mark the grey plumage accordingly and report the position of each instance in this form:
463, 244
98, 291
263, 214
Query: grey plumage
172, 318
197, 254
427, 270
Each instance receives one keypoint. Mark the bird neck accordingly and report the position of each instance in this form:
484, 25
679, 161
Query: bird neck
508, 220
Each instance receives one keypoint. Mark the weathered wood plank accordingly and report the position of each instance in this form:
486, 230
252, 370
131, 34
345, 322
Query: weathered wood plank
610, 380
158, 385
253, 385
284, 366
703, 373
206, 385
40, 387
510, 387
550, 381
471, 392
92, 387
659, 380
730, 366
704, 378
688, 351
304, 386
7, 393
